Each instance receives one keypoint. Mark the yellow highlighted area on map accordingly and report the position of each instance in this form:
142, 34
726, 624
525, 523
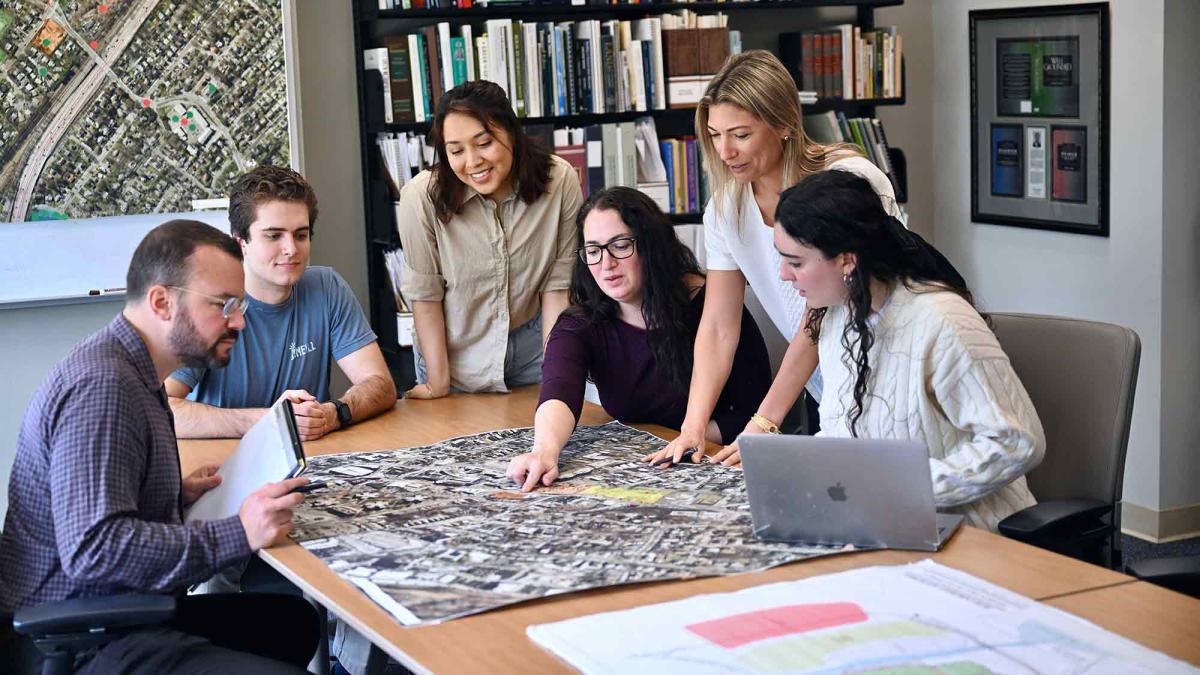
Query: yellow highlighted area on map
812, 651
638, 495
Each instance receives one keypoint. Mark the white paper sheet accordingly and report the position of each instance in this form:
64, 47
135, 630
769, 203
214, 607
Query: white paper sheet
264, 455
899, 619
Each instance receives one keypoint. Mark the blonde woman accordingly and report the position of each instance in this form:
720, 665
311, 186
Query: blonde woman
754, 147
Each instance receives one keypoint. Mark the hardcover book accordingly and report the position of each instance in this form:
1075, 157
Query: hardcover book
1037, 77
1069, 178
458, 57
1006, 160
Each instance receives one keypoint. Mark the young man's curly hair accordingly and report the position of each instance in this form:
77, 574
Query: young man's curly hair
267, 184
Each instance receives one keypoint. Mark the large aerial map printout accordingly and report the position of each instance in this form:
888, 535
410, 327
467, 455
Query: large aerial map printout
117, 107
438, 532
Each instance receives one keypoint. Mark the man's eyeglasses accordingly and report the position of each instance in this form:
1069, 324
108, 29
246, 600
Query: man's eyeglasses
618, 249
228, 305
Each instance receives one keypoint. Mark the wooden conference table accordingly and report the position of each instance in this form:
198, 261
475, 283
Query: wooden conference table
495, 641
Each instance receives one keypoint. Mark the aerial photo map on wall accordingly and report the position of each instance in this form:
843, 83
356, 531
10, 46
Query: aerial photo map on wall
116, 107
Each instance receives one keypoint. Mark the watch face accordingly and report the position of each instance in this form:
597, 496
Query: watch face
343, 412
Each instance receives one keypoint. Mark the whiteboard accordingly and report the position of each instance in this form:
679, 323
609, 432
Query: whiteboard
85, 260
65, 263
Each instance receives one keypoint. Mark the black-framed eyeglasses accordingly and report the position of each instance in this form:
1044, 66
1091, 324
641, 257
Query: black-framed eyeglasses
228, 305
618, 249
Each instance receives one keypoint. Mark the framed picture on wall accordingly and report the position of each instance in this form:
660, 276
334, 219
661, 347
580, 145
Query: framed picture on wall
1039, 117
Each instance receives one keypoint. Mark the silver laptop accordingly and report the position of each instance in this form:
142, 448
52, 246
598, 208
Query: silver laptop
834, 491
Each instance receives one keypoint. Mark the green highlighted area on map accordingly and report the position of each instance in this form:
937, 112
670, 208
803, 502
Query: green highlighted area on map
955, 668
5, 22
47, 214
812, 651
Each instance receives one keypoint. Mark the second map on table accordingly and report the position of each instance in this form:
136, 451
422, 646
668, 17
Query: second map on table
438, 532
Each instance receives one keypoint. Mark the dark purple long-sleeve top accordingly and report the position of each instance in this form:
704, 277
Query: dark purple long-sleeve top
617, 358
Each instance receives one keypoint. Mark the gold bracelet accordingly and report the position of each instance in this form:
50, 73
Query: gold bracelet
765, 424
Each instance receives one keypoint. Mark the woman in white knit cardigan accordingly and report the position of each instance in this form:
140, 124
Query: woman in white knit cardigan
904, 352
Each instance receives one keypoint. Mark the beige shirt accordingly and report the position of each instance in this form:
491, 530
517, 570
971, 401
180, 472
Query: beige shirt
488, 266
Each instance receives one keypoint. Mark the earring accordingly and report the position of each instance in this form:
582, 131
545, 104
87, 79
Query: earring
786, 139
846, 279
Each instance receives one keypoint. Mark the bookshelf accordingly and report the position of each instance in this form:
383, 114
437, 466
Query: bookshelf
670, 115
618, 11
371, 25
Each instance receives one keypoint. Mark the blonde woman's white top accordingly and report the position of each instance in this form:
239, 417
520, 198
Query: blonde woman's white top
939, 376
738, 239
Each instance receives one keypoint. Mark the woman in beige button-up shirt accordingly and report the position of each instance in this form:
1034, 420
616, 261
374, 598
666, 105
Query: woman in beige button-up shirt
488, 237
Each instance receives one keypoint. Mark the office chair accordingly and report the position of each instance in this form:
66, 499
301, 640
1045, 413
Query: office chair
63, 629
1081, 376
1180, 574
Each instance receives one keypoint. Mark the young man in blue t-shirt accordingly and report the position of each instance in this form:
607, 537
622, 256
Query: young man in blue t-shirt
299, 319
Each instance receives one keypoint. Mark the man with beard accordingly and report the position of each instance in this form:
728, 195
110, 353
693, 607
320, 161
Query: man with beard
96, 494
299, 319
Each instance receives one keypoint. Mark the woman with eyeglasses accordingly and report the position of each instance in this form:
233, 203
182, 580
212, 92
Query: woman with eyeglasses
488, 236
636, 303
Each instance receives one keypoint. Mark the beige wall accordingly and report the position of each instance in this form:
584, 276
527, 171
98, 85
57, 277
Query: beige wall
1180, 425
332, 163
1144, 275
910, 127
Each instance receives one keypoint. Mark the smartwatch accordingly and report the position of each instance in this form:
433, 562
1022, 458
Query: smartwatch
343, 412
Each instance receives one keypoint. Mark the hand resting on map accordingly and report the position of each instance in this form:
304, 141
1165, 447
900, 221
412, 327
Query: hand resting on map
532, 468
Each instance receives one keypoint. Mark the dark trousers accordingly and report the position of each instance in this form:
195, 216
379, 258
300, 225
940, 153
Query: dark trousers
804, 417
219, 633
812, 411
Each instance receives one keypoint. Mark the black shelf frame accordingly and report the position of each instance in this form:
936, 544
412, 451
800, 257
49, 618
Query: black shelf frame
371, 22
674, 114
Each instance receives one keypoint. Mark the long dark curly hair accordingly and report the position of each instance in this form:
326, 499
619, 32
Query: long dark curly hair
839, 212
665, 263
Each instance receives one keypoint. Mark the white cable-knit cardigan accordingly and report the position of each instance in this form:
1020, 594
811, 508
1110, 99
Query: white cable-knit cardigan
938, 375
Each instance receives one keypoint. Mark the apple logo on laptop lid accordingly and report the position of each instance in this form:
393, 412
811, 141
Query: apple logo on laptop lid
837, 492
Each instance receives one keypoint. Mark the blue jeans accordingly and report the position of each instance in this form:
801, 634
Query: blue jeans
522, 359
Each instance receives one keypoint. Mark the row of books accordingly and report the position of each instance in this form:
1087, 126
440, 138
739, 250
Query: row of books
604, 155
631, 154
551, 69
403, 155
686, 179
546, 69
865, 132
393, 260
845, 62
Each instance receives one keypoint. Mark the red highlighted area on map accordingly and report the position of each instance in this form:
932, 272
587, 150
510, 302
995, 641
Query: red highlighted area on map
742, 629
